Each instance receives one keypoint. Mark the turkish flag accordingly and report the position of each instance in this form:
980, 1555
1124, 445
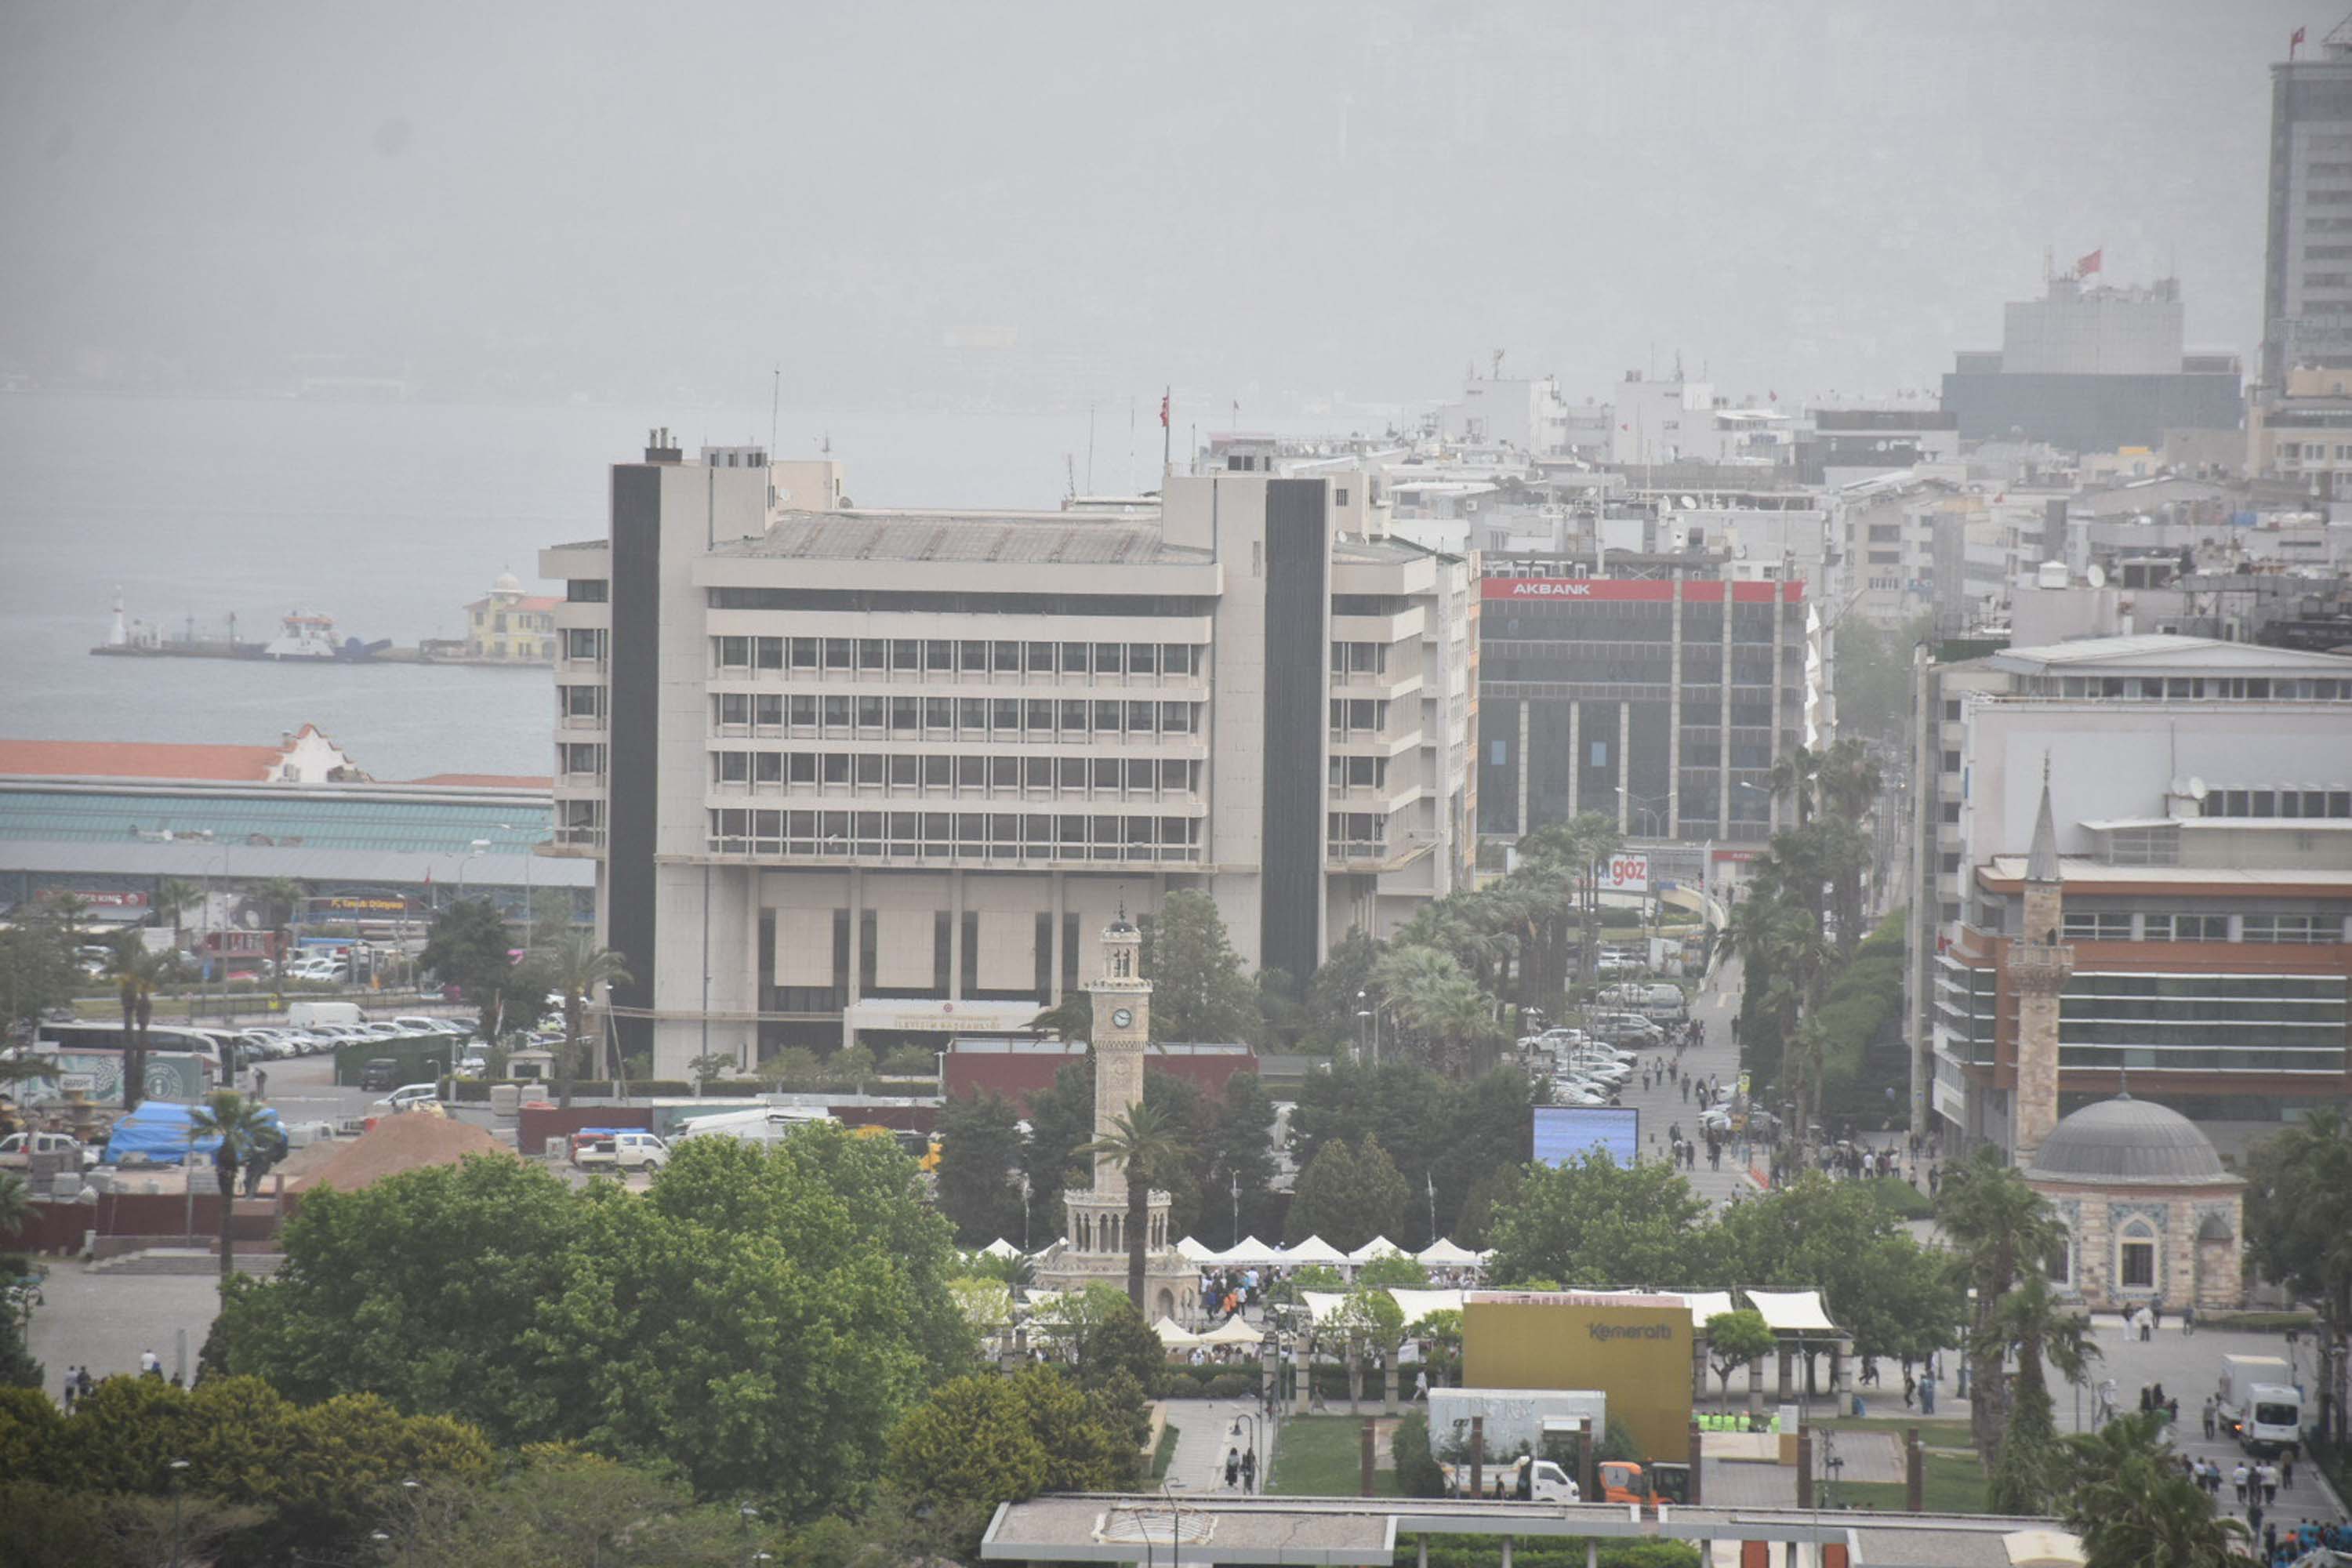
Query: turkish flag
1163, 411
2086, 265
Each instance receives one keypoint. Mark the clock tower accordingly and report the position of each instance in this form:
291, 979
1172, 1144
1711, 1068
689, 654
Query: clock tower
1093, 1249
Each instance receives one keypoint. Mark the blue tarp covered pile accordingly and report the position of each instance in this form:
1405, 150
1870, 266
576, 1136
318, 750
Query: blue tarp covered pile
158, 1130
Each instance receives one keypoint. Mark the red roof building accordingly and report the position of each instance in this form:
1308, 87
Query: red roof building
303, 756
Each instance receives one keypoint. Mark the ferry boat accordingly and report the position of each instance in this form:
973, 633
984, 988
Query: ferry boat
305, 634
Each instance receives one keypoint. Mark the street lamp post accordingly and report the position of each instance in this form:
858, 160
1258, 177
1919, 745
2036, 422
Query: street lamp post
1256, 1448
179, 1469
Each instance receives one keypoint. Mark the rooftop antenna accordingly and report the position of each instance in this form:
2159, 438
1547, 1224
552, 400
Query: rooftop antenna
776, 402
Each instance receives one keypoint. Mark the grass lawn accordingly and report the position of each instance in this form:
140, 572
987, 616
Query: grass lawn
1949, 1484
1322, 1455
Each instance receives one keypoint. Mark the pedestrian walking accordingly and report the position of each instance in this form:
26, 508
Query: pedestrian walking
1249, 1471
1420, 1383
88, 1382
2237, 1479
73, 1387
151, 1364
2286, 1469
261, 1083
2269, 1477
1233, 1469
2209, 1418
2187, 1321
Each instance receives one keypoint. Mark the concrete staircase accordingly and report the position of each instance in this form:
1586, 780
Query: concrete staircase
199, 1260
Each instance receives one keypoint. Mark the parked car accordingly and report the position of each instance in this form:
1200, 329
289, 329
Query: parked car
262, 1043
16, 1149
380, 1073
416, 1024
386, 1029
408, 1097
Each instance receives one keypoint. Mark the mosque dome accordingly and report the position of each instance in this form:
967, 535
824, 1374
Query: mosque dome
507, 583
2126, 1140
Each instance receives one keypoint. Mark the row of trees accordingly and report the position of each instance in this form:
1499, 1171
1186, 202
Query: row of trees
1798, 925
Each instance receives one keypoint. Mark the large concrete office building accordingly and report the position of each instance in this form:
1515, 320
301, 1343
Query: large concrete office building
2091, 368
886, 774
2307, 253
1661, 700
2202, 814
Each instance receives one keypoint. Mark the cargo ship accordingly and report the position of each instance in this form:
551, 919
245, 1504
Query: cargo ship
304, 637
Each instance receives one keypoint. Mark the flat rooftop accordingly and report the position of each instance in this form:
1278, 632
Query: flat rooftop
1044, 539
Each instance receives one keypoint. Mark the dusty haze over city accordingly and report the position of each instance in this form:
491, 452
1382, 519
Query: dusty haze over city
1297, 207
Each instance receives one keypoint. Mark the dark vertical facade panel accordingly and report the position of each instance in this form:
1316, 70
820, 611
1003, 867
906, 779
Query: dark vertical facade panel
634, 701
1498, 766
1298, 594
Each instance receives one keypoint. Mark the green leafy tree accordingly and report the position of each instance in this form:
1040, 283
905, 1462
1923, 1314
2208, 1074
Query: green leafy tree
2298, 1192
983, 1440
1139, 1144
469, 946
1061, 1119
1365, 1326
1338, 990
1896, 1298
1105, 1339
1198, 989
559, 1505
1735, 1339
172, 897
1240, 1146
1495, 1191
980, 1144
37, 973
1418, 1473
1591, 1223
244, 1127
759, 1318
1393, 1271
2031, 1320
2121, 1490
577, 969
1874, 675
1191, 1114
1349, 1194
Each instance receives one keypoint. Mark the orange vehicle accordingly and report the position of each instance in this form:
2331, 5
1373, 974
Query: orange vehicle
1622, 1481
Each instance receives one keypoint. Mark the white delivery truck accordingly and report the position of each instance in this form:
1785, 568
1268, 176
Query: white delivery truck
768, 1124
1515, 1418
1525, 1479
2260, 1405
302, 1015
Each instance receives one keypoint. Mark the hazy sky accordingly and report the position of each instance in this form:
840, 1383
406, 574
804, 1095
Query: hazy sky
1024, 204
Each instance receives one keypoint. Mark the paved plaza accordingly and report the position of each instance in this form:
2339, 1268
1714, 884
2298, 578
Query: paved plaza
103, 1321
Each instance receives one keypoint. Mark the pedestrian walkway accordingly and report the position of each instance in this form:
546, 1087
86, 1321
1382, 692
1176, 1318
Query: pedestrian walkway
1663, 1106
1204, 1429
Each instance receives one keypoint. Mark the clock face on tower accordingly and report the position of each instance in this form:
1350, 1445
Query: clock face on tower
1120, 1017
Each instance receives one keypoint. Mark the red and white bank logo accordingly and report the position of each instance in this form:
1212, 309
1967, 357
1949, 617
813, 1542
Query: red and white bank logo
1550, 588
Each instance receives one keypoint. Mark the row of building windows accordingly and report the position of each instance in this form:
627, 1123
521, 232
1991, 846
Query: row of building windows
2115, 925
878, 601
967, 655
954, 836
2214, 688
1148, 776
2288, 802
1033, 718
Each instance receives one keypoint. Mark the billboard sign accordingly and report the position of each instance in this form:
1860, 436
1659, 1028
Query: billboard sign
1568, 1133
1638, 589
1626, 873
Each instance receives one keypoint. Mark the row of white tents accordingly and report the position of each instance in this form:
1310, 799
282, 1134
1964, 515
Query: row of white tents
1252, 1253
1794, 1312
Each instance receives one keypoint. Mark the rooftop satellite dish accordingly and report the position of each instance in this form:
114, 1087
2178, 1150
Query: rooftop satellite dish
1688, 503
2196, 790
2179, 786
2096, 576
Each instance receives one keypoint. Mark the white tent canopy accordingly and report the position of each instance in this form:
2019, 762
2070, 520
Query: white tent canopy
1444, 1254
1791, 1311
1379, 1247
1193, 1251
1321, 1304
1313, 1250
1703, 1304
1174, 1335
1249, 1253
1231, 1332
1000, 1247
1418, 1304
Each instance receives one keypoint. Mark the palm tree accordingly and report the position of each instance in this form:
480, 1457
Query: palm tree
136, 972
576, 967
1072, 1018
284, 896
1793, 775
1849, 780
2035, 1324
2124, 1494
244, 1128
1140, 1143
173, 895
2004, 1231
